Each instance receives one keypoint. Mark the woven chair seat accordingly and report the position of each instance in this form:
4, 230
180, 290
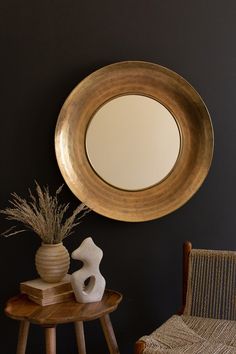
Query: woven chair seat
192, 335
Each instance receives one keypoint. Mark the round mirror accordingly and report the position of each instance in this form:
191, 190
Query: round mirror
132, 142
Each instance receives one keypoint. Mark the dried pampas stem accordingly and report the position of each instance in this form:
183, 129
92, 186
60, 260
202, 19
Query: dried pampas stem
44, 215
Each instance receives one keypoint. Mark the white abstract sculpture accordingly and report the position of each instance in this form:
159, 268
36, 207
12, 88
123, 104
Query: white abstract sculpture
88, 283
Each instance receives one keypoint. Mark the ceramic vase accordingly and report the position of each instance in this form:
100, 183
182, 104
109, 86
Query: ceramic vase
52, 262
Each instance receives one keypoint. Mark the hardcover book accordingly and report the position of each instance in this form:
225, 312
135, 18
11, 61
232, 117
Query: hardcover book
39, 289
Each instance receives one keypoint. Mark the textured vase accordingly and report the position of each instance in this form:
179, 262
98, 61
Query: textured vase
52, 262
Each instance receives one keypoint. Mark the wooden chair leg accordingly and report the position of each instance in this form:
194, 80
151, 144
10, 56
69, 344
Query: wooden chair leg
22, 337
79, 331
109, 334
139, 347
50, 339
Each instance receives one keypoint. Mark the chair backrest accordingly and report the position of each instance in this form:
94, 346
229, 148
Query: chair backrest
211, 284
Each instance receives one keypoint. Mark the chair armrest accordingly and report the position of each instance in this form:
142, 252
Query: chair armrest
139, 347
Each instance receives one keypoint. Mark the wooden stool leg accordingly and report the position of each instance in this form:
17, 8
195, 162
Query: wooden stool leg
50, 338
22, 338
79, 331
109, 334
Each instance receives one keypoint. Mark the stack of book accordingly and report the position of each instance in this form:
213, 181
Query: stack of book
48, 293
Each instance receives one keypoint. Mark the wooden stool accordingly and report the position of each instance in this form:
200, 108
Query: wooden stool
23, 309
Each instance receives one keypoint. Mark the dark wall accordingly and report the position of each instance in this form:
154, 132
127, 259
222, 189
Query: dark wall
47, 47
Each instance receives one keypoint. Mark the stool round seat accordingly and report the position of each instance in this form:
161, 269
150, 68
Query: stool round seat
21, 308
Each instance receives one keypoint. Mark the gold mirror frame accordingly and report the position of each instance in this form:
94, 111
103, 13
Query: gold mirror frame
169, 89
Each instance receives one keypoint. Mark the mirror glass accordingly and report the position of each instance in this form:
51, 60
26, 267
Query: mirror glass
132, 142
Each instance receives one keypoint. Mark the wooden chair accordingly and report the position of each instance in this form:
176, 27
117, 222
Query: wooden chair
207, 321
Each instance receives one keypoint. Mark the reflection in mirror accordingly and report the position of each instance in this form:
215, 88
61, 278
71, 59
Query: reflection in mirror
133, 142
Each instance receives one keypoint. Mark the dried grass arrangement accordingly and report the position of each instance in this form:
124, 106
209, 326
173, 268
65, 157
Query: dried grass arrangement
43, 214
